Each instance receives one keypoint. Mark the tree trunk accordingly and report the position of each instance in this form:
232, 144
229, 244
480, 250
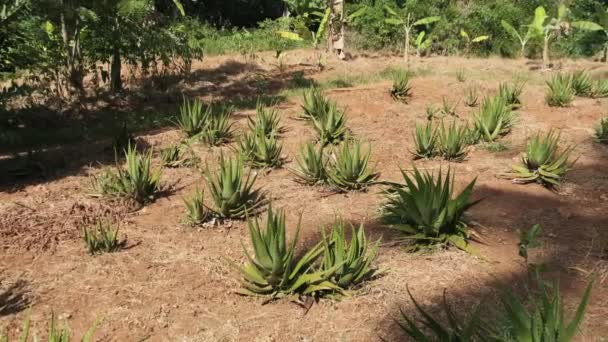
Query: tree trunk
406, 48
546, 51
523, 50
336, 37
116, 67
606, 53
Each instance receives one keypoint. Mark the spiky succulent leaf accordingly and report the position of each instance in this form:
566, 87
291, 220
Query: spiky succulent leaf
192, 118
349, 167
601, 131
425, 140
402, 89
453, 141
560, 92
312, 165
331, 125
494, 118
260, 150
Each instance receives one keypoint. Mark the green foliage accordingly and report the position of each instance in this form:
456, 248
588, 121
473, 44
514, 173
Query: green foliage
315, 105
54, 333
349, 167
581, 83
495, 146
431, 111
453, 141
312, 165
494, 118
260, 150
511, 93
103, 238
137, 182
330, 125
266, 120
231, 190
543, 161
401, 90
276, 270
352, 260
218, 130
471, 98
425, 140
600, 89
448, 107
528, 239
196, 212
559, 92
601, 131
425, 210
192, 118
178, 155
461, 76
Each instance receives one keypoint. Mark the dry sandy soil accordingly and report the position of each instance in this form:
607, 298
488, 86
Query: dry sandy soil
172, 283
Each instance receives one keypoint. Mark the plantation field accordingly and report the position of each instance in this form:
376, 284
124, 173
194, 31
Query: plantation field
174, 282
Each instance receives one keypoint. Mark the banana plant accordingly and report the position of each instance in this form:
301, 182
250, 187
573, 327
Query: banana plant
532, 32
549, 28
422, 43
468, 41
408, 24
600, 26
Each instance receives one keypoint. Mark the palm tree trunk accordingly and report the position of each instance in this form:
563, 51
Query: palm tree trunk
337, 33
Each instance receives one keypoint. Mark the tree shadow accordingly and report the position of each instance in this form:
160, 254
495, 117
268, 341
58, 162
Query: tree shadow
13, 298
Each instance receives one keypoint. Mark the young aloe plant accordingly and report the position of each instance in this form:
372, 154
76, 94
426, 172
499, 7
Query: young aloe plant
543, 162
54, 333
448, 107
401, 90
192, 118
601, 131
511, 93
494, 119
231, 190
137, 182
559, 91
275, 269
453, 142
425, 210
600, 89
218, 130
312, 165
582, 85
196, 212
266, 120
425, 139
260, 150
349, 168
471, 98
178, 155
315, 104
352, 260
330, 126
103, 238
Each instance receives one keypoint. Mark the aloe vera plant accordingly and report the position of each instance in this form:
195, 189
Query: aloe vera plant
232, 190
102, 238
401, 90
543, 161
54, 333
315, 105
511, 93
196, 212
312, 165
582, 85
276, 270
218, 130
331, 125
425, 140
494, 119
137, 182
178, 155
192, 118
453, 141
559, 91
448, 107
260, 150
600, 89
471, 98
349, 167
601, 131
425, 210
352, 259
266, 120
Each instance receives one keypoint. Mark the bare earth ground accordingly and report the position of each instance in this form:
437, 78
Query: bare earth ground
173, 282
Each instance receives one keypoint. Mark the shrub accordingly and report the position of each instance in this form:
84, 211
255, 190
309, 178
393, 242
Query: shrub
103, 238
453, 141
494, 119
425, 140
401, 90
266, 120
196, 212
331, 125
582, 84
559, 92
138, 182
315, 105
231, 191
424, 209
543, 162
275, 269
192, 118
218, 130
349, 168
260, 150
352, 260
511, 93
312, 165
600, 89
471, 98
601, 131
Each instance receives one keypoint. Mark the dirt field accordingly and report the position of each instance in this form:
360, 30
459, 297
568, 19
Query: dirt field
173, 283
